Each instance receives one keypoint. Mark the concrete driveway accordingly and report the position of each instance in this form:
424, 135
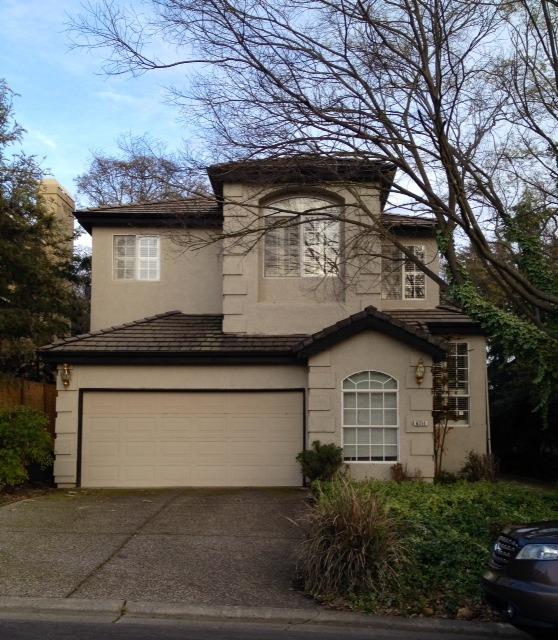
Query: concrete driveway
198, 546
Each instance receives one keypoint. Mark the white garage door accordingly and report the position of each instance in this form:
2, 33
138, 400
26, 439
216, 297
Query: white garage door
163, 439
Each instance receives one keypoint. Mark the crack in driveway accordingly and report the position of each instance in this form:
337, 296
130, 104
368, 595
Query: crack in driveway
134, 533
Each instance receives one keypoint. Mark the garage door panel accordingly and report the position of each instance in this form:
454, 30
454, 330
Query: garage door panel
138, 450
260, 404
138, 427
173, 451
100, 451
103, 475
191, 439
104, 428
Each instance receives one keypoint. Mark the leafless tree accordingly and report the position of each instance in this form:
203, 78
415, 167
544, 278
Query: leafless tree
142, 172
460, 96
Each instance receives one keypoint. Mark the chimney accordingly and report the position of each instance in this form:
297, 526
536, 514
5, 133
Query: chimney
60, 203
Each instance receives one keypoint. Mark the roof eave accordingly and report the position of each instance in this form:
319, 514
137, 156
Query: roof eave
366, 320
89, 220
166, 358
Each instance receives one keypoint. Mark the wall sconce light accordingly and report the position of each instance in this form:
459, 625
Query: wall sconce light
66, 375
420, 370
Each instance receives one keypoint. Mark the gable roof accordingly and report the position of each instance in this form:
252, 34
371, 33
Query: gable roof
176, 337
372, 318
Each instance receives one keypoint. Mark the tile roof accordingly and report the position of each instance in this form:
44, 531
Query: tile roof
200, 336
438, 320
373, 318
201, 212
192, 212
174, 332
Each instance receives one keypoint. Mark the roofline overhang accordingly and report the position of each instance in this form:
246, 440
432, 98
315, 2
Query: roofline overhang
89, 220
166, 358
457, 328
372, 319
303, 170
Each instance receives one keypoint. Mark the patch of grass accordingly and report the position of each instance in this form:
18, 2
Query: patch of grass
449, 530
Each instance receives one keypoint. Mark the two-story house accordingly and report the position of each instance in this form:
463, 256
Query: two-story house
215, 365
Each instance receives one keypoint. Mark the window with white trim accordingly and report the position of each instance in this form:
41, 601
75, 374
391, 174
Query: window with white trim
301, 243
401, 278
370, 418
458, 384
136, 257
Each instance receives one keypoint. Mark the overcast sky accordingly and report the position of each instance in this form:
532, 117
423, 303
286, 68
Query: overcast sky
65, 103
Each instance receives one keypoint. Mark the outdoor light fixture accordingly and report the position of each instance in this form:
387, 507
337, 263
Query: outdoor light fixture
420, 370
66, 375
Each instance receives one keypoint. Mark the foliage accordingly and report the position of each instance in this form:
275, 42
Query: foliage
399, 472
353, 542
449, 530
143, 172
23, 440
36, 266
479, 466
321, 462
518, 333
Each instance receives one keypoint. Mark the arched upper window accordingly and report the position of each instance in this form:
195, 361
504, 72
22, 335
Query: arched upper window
301, 239
370, 418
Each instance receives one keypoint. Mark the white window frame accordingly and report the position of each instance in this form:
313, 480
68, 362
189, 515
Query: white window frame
396, 427
301, 226
412, 272
459, 394
404, 272
137, 258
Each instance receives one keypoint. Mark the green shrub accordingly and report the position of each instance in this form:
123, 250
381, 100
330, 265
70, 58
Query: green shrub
321, 462
449, 530
23, 440
479, 466
353, 543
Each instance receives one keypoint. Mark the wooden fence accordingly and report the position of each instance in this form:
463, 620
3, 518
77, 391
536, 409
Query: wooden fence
36, 395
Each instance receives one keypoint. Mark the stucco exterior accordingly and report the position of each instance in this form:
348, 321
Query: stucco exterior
231, 304
254, 303
225, 377
190, 281
322, 381
475, 436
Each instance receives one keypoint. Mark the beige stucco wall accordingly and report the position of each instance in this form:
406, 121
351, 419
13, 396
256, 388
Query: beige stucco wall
190, 280
369, 350
226, 377
253, 303
374, 351
474, 437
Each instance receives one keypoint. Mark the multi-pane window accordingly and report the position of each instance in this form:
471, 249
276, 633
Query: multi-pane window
370, 418
136, 257
401, 278
458, 383
300, 242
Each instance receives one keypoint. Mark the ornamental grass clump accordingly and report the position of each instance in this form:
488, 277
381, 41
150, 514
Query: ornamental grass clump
353, 543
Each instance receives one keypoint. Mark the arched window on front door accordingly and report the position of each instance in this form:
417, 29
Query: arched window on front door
370, 418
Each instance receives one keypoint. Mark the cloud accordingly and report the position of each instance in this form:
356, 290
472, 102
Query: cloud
42, 138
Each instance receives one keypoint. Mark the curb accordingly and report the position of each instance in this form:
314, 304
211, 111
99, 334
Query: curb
122, 609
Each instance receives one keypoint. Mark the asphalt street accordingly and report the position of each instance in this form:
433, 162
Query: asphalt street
48, 627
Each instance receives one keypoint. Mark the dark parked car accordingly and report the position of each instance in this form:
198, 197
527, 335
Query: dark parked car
523, 577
